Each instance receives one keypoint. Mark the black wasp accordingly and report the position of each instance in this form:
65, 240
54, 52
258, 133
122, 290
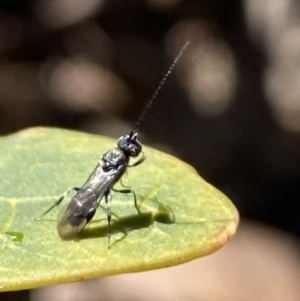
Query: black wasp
109, 170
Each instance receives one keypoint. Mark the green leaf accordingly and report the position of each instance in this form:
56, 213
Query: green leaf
183, 216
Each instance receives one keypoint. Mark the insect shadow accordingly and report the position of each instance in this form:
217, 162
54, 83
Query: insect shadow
161, 214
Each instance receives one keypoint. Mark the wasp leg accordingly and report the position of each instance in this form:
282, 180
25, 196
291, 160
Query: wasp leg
129, 190
108, 212
60, 199
139, 161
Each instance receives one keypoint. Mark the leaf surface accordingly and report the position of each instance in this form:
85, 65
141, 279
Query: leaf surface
183, 217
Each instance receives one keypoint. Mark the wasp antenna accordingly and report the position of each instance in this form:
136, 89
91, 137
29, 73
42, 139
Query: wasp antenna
161, 84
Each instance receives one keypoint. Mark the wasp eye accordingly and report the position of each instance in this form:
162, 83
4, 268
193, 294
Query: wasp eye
130, 145
135, 149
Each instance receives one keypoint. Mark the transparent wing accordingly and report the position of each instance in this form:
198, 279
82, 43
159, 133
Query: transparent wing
83, 205
65, 229
74, 218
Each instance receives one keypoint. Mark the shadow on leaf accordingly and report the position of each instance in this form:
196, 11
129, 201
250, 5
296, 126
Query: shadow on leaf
162, 214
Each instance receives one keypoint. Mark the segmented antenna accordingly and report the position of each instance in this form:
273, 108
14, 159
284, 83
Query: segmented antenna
161, 84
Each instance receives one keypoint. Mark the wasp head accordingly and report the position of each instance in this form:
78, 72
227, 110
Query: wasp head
130, 145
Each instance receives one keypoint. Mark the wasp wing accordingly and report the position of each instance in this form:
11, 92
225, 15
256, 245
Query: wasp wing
77, 214
83, 205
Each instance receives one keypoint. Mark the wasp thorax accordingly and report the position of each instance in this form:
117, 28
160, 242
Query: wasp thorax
113, 158
130, 145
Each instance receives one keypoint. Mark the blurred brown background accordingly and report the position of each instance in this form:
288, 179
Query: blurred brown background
231, 107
